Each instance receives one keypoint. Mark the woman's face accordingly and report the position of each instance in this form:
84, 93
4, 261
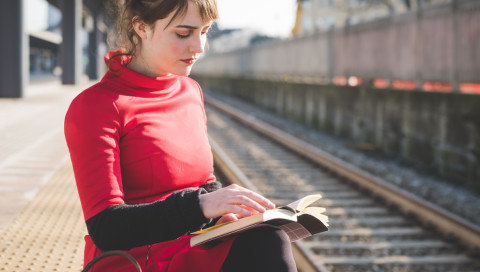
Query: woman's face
171, 49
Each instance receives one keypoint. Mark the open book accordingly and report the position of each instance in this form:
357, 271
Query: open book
297, 219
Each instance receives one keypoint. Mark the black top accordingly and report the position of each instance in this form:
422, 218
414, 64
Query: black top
125, 226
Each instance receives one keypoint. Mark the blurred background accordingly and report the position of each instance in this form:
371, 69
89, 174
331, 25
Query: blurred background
412, 44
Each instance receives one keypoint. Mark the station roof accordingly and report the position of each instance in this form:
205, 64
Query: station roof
90, 4
95, 7
45, 39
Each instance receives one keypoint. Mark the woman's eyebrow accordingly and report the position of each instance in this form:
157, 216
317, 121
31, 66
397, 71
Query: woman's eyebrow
187, 26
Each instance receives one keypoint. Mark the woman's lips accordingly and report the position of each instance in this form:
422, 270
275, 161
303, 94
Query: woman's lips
189, 61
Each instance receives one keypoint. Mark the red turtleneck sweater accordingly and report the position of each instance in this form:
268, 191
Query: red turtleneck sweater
136, 139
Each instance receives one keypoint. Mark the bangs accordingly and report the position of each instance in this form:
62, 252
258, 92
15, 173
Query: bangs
208, 9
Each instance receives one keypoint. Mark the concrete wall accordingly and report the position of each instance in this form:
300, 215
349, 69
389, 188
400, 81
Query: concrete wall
440, 131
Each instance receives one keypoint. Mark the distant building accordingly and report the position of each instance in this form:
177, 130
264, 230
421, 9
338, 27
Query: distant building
320, 15
224, 40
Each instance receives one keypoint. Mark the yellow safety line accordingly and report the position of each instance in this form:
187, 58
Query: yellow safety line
48, 234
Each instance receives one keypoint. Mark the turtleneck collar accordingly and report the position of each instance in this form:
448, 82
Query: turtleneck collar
117, 62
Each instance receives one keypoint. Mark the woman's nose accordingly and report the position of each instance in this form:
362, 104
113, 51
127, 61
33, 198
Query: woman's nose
198, 44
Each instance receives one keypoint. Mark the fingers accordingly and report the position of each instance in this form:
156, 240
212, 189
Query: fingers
250, 198
233, 199
239, 210
227, 218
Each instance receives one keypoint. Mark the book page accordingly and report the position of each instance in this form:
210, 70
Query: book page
304, 202
211, 228
228, 234
295, 231
316, 210
318, 213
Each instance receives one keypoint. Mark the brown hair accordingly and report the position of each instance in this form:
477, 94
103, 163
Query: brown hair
149, 11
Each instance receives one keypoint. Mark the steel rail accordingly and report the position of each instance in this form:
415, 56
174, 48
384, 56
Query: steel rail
233, 174
446, 222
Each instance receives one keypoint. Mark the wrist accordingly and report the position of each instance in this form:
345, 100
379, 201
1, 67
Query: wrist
201, 204
190, 209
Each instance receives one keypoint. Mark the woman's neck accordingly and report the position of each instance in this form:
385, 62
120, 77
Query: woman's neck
138, 64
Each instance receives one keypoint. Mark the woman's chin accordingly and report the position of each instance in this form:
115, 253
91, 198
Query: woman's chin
182, 72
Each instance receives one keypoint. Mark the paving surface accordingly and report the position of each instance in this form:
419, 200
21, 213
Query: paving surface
41, 222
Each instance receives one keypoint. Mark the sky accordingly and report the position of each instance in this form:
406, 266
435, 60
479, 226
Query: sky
35, 14
271, 17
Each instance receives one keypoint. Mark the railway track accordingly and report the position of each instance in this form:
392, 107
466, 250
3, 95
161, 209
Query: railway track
366, 233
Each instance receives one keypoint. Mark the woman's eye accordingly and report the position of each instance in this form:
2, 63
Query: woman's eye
183, 36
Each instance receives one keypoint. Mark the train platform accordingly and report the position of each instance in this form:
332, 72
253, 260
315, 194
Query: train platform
41, 221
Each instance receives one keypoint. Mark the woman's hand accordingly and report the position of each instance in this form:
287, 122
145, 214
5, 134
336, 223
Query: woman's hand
235, 200
227, 218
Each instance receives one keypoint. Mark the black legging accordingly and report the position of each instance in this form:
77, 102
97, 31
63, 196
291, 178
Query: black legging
263, 248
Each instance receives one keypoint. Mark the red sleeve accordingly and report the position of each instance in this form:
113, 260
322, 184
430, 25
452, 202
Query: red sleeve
92, 131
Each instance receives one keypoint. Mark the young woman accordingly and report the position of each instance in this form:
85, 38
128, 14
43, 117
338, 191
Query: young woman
141, 157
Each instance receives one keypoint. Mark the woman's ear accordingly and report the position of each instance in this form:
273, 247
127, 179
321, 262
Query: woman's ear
140, 27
